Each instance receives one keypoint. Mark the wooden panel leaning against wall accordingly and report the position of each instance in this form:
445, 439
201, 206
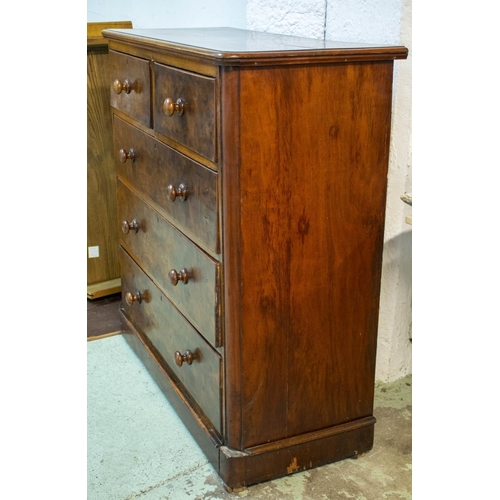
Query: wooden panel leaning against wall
103, 268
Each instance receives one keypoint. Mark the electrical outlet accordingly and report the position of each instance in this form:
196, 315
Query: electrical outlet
93, 252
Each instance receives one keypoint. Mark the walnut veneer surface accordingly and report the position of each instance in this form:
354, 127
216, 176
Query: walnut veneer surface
252, 172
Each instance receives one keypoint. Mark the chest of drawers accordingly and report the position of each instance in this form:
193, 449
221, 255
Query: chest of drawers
251, 188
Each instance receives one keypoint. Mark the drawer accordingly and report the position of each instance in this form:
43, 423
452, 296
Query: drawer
184, 109
130, 86
186, 274
169, 333
159, 171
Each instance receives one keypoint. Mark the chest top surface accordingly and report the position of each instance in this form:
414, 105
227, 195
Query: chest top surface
232, 46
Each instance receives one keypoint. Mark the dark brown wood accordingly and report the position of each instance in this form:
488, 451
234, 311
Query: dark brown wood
230, 91
169, 106
126, 86
154, 160
193, 125
287, 232
180, 192
137, 102
299, 132
130, 298
188, 357
239, 469
123, 155
169, 332
176, 276
133, 226
197, 299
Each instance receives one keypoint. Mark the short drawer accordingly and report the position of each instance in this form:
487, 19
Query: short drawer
130, 86
184, 189
189, 356
186, 274
184, 109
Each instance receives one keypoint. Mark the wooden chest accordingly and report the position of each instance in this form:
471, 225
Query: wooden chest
251, 187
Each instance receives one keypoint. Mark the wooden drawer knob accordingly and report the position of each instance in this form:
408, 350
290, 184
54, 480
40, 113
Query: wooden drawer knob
169, 106
175, 276
130, 226
130, 298
180, 192
187, 357
124, 156
125, 86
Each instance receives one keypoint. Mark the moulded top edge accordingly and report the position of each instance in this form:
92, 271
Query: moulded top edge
238, 46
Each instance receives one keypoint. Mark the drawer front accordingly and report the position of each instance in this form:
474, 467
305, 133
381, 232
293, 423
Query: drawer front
131, 86
192, 124
169, 332
184, 189
163, 251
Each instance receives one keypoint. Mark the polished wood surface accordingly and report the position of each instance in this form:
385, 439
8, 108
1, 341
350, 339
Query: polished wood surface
197, 295
169, 332
299, 132
102, 271
238, 47
192, 122
135, 71
196, 210
317, 250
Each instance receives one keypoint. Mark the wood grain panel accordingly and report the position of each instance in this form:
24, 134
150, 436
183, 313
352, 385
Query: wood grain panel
196, 127
314, 159
158, 247
101, 183
137, 103
156, 166
169, 332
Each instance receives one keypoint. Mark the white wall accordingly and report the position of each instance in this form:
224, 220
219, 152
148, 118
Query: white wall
169, 13
376, 21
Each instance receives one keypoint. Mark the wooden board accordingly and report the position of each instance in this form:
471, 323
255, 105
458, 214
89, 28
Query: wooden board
104, 288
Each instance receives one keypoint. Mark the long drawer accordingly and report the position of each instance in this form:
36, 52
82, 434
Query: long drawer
174, 338
131, 86
186, 274
184, 108
184, 189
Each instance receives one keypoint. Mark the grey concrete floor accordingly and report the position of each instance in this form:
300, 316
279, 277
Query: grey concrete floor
139, 449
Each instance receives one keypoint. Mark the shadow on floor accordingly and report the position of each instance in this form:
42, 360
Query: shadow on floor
103, 317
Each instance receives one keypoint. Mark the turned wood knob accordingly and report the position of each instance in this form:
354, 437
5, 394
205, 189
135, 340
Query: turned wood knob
169, 106
180, 192
125, 86
187, 357
130, 226
175, 276
124, 156
130, 298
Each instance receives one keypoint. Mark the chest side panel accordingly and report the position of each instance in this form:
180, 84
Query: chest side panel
313, 173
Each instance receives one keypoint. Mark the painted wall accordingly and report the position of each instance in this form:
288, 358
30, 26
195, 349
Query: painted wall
169, 13
377, 21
